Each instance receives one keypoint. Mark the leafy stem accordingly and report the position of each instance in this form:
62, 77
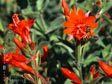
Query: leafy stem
78, 54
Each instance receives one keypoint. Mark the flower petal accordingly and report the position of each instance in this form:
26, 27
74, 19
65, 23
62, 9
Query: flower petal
65, 7
71, 75
106, 68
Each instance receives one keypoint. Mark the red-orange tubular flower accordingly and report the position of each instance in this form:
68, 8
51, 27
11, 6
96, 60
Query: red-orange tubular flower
65, 7
93, 72
18, 43
44, 57
78, 24
71, 75
106, 68
99, 3
20, 61
22, 28
1, 47
17, 60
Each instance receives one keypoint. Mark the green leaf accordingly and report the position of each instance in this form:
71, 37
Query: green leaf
76, 71
91, 58
53, 37
1, 26
57, 22
39, 4
106, 82
39, 81
36, 32
68, 48
100, 42
107, 19
105, 51
68, 82
27, 11
1, 40
106, 7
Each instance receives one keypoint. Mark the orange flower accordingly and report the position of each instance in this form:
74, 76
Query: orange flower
22, 28
65, 7
18, 42
44, 57
78, 23
71, 75
106, 68
17, 60
20, 61
1, 47
99, 3
93, 72
32, 45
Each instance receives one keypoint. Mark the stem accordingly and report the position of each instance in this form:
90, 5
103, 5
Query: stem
35, 65
35, 71
43, 22
78, 52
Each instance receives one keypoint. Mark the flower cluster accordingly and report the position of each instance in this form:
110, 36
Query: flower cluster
95, 75
93, 72
78, 24
19, 59
22, 28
